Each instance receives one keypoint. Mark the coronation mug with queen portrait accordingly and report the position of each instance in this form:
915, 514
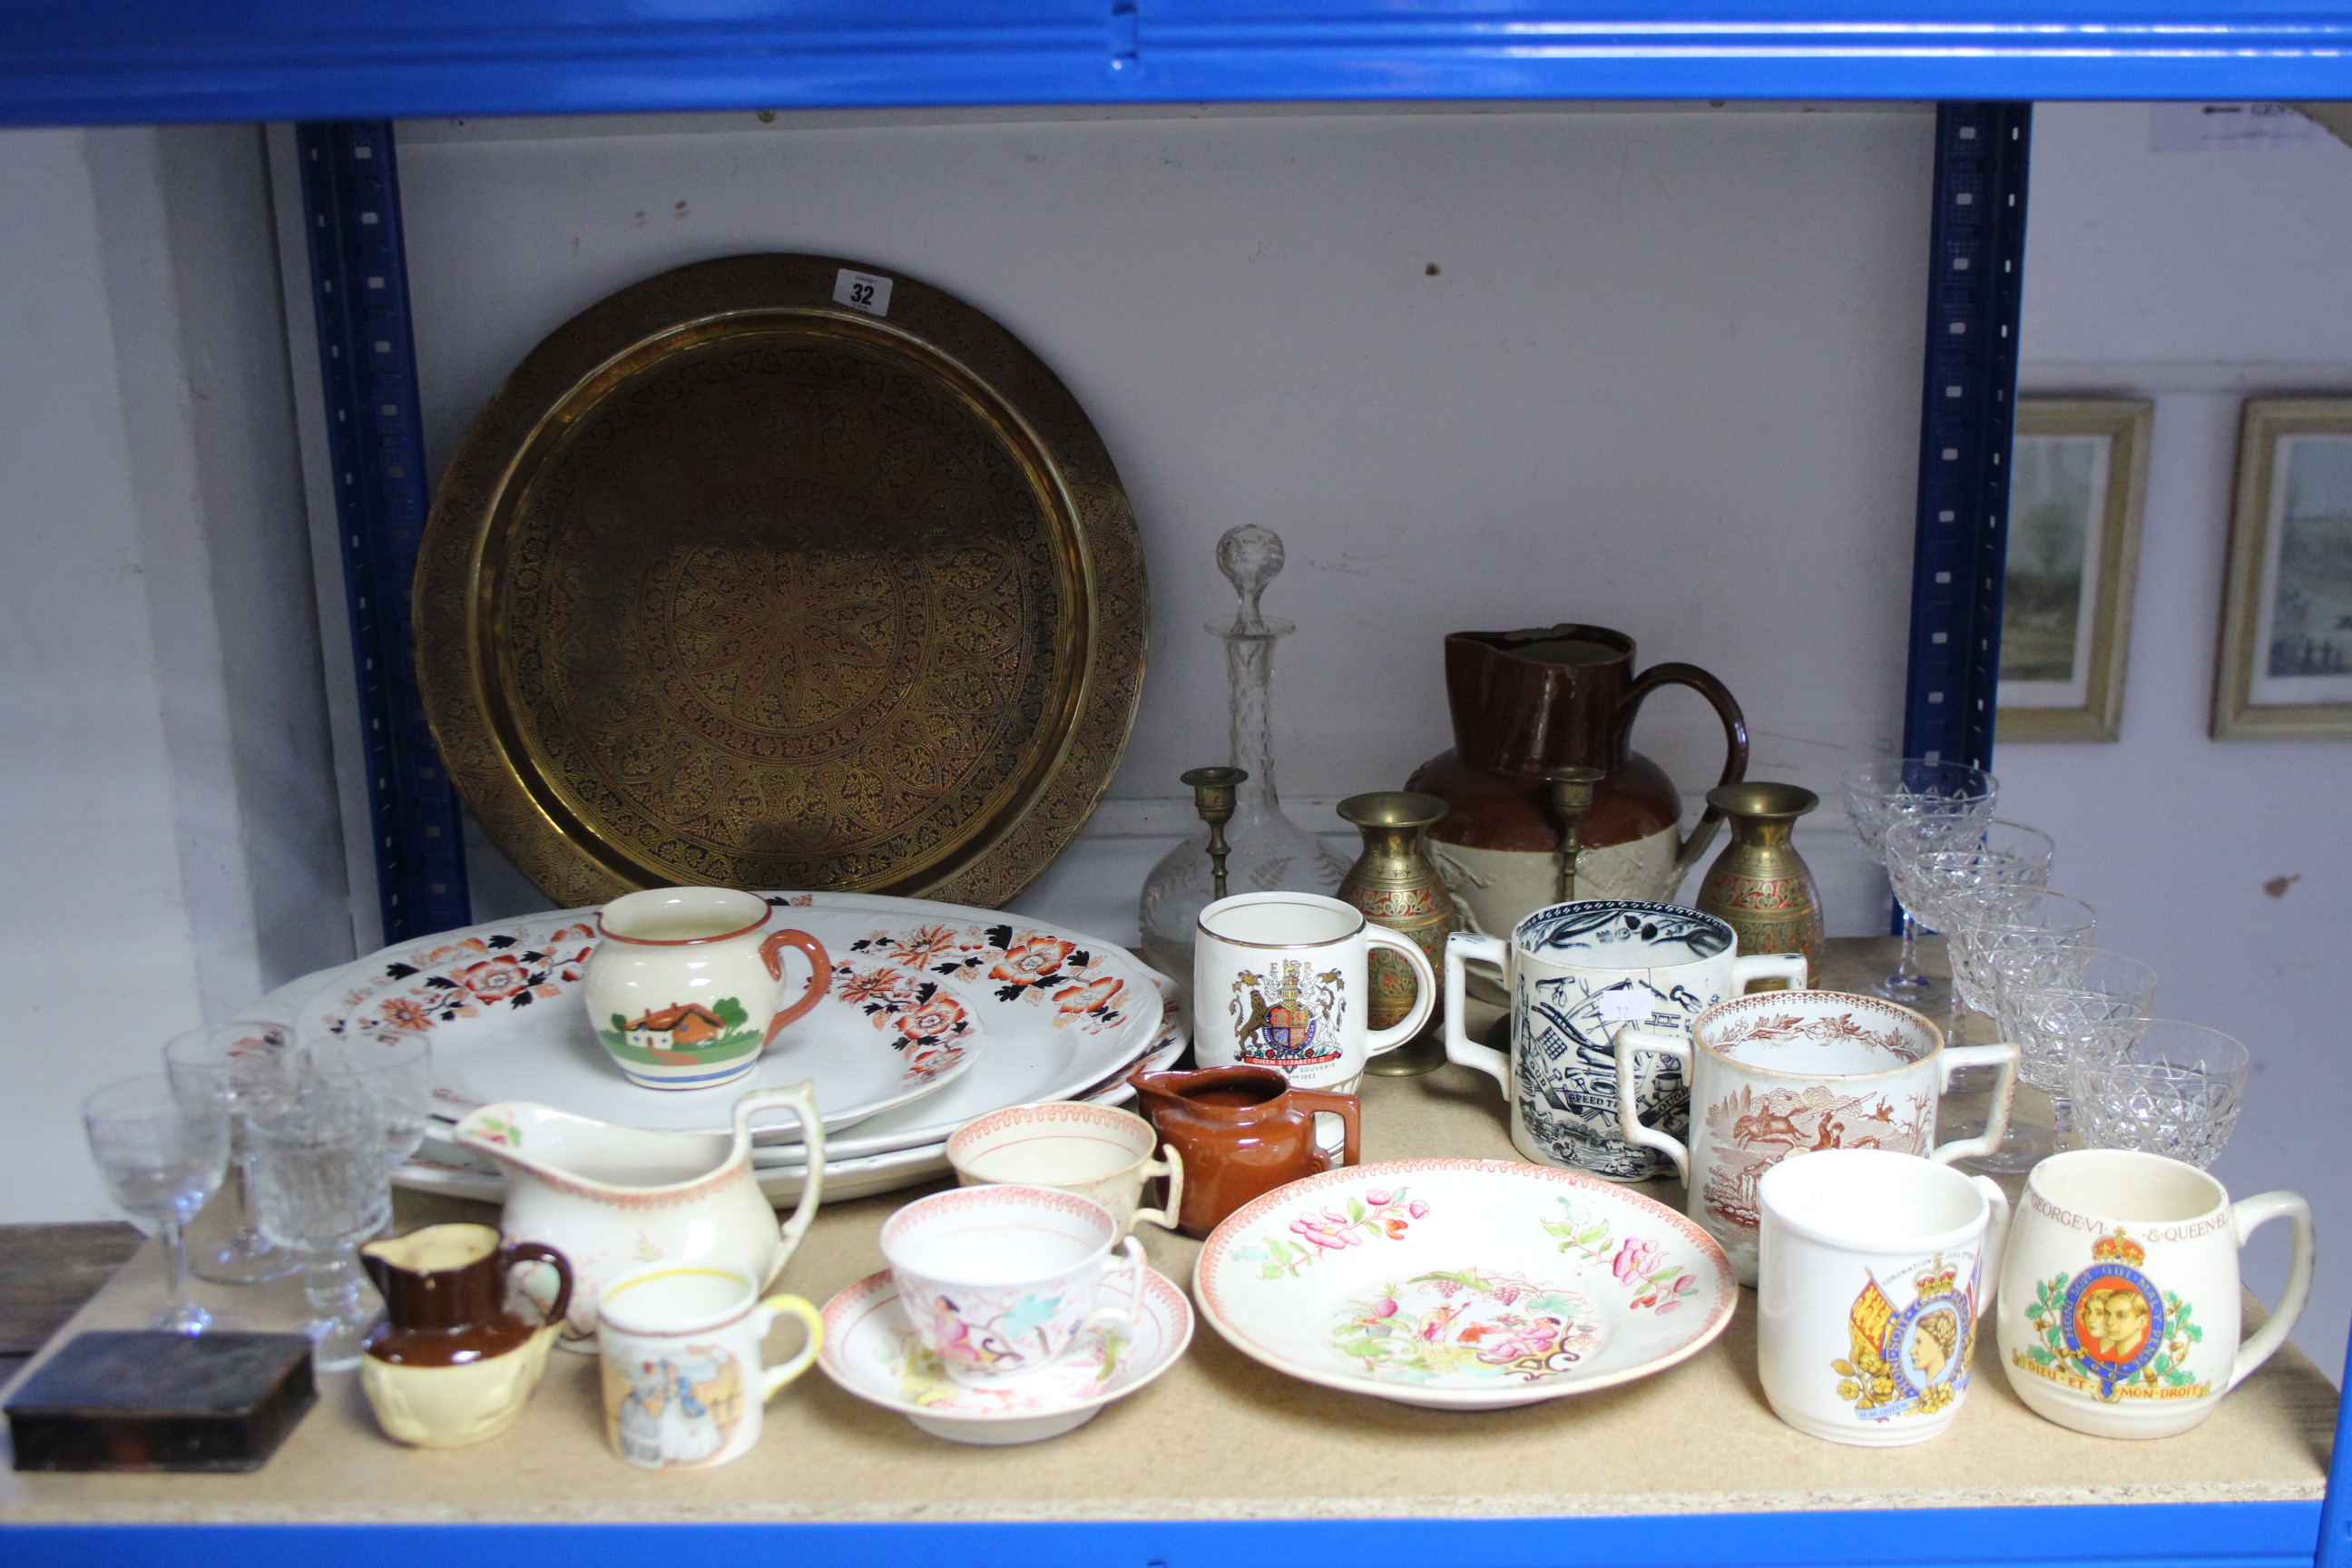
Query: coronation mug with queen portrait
2119, 1299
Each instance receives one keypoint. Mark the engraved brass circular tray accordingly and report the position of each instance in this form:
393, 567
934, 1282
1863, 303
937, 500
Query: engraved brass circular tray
732, 585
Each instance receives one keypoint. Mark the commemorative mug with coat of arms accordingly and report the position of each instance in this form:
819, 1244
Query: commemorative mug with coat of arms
1280, 980
1782, 1072
1874, 1269
1577, 974
2119, 1299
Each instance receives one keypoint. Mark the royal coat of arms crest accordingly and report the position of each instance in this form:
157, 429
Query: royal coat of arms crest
1289, 1016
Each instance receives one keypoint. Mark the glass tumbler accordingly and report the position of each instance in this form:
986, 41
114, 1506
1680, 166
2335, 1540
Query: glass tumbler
162, 1149
241, 1063
1877, 796
397, 1069
321, 1187
2177, 1091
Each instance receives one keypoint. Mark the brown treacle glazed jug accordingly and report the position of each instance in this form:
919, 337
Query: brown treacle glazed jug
1242, 1131
1555, 697
445, 1295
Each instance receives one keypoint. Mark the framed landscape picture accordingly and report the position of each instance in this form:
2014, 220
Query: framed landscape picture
2285, 667
2078, 476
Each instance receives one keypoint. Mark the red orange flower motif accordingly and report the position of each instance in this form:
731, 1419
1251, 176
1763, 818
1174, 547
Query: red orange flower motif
494, 979
402, 1013
1032, 959
927, 945
937, 1016
869, 986
1087, 999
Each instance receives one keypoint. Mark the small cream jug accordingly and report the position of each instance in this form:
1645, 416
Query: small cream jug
688, 986
610, 1198
2119, 1299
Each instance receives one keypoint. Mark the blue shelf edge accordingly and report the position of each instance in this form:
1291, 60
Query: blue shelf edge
2268, 1535
333, 60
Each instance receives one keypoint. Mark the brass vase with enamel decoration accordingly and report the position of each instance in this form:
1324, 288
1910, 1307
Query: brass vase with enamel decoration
1760, 886
1395, 885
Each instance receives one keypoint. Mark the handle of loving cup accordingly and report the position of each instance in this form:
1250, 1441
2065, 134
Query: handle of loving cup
1995, 1244
1788, 966
539, 1252
2003, 1057
1171, 1167
1130, 1264
772, 953
1629, 1112
2249, 1214
776, 1377
802, 1098
1425, 994
1460, 1048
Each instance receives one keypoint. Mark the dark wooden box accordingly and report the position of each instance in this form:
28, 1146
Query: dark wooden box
146, 1401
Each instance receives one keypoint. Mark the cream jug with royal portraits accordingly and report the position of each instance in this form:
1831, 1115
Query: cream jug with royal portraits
2119, 1297
1280, 980
1783, 1072
1577, 974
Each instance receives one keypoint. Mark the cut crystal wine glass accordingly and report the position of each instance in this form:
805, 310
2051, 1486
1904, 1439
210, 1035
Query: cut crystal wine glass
2176, 1091
1951, 796
239, 1062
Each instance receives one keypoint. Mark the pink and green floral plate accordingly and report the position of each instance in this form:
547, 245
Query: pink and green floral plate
1463, 1284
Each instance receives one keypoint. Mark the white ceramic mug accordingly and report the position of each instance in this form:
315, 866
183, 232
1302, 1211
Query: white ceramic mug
1874, 1271
686, 1382
1096, 1152
1577, 974
1279, 980
688, 988
999, 1282
1782, 1071
2119, 1299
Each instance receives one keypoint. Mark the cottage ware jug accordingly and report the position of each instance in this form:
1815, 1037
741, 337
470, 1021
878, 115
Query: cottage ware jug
1578, 973
688, 986
611, 1198
1240, 1132
1783, 1072
451, 1363
1551, 697
2119, 1299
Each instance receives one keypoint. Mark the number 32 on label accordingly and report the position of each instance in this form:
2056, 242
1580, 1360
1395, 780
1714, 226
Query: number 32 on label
862, 291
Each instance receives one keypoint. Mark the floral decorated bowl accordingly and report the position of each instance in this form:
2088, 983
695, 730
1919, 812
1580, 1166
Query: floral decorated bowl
1463, 1284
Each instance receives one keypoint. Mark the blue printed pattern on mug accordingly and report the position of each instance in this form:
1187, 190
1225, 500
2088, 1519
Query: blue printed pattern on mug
1627, 935
1567, 1068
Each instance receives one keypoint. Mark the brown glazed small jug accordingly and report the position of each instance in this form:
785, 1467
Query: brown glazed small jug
451, 1363
1242, 1131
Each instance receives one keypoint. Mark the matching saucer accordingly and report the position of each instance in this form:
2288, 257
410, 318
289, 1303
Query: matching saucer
870, 1350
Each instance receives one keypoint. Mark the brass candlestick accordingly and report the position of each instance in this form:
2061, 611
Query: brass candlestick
1213, 797
1571, 797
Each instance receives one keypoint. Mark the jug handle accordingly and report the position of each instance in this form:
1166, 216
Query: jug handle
802, 1098
772, 953
1346, 1107
1735, 736
539, 1252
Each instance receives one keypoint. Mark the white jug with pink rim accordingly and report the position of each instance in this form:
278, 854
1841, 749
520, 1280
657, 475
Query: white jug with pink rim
688, 986
610, 1198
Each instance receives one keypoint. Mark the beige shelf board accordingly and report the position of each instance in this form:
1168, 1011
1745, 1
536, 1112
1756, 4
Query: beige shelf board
1212, 1438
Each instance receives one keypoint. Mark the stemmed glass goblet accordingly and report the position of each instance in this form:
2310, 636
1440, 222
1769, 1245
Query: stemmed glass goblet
321, 1187
162, 1150
1880, 793
2080, 1005
240, 1063
2177, 1091
1928, 863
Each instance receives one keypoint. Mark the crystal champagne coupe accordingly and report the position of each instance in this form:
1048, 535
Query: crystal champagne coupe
1950, 796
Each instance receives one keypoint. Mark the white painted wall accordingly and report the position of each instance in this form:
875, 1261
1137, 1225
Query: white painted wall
161, 733
2198, 280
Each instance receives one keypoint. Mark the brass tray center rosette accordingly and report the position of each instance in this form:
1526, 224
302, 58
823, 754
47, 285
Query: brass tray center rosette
731, 585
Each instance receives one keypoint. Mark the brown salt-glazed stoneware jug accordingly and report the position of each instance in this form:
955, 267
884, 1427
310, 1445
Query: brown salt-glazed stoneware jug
1554, 697
1242, 1131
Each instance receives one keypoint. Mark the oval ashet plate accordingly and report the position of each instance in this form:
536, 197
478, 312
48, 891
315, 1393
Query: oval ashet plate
1463, 1284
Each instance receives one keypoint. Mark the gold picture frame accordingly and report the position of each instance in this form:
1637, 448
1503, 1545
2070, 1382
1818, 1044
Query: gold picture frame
2285, 671
2078, 483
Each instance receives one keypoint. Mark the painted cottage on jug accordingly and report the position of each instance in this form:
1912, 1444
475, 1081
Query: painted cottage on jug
681, 1028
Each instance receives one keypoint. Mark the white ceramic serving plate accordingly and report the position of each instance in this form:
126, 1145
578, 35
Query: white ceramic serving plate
1062, 1013
870, 1350
1462, 1284
441, 1166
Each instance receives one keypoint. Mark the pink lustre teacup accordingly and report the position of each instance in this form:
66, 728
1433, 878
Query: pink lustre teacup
999, 1281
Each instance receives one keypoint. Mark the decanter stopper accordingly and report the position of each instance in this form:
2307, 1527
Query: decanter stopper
1571, 797
1213, 797
1251, 557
